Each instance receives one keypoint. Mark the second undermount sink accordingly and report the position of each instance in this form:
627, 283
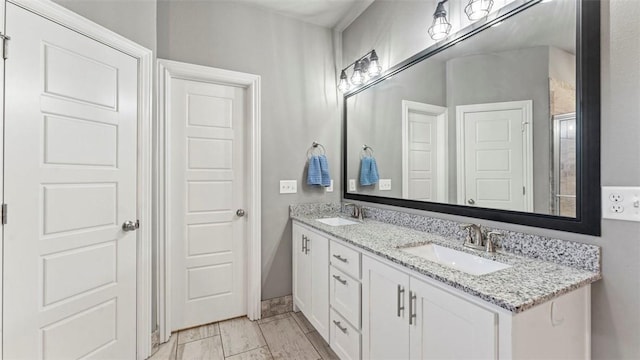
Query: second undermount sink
468, 263
337, 221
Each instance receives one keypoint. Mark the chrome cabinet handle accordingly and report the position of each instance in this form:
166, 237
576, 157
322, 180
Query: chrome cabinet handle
131, 225
344, 260
338, 324
412, 307
471, 201
240, 212
342, 281
400, 299
304, 244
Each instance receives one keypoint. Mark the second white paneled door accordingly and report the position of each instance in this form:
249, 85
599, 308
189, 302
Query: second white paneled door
207, 196
70, 165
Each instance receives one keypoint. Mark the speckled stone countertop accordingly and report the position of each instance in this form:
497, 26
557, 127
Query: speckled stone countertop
527, 283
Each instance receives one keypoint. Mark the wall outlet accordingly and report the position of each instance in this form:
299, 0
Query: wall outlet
288, 186
330, 187
352, 184
621, 203
384, 184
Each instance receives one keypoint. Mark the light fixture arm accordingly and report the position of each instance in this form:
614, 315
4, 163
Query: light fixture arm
365, 56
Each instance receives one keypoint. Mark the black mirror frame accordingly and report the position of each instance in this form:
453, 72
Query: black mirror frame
588, 191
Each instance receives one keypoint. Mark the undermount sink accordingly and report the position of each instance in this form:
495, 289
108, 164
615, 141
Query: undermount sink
337, 221
454, 259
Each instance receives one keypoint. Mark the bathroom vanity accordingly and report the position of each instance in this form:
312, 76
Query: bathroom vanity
377, 290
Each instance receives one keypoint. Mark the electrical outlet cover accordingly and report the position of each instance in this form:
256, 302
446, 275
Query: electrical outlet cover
621, 203
352, 184
330, 187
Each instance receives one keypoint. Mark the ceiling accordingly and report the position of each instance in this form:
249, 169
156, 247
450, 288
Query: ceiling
326, 13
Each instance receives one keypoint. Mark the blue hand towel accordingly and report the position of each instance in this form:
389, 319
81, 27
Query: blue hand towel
314, 175
368, 171
324, 171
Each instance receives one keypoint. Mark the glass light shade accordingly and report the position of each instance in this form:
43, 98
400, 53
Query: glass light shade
343, 85
374, 68
477, 9
440, 28
357, 78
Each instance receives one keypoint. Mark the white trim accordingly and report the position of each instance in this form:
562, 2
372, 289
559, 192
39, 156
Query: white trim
168, 70
527, 158
442, 167
73, 21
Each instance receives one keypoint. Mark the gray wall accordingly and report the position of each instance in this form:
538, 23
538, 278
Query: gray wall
299, 102
616, 298
511, 76
135, 19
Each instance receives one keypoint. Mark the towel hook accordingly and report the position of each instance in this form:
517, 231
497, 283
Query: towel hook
316, 146
366, 150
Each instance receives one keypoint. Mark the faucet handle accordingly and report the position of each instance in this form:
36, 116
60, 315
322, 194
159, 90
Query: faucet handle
466, 226
490, 245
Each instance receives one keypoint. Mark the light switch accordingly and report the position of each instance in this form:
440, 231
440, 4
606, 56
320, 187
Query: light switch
384, 184
352, 184
330, 187
621, 203
288, 186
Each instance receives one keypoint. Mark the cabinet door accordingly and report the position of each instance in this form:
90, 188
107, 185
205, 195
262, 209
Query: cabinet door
301, 270
385, 324
445, 326
318, 254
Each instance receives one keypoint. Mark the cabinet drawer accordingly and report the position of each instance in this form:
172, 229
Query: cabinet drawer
344, 338
344, 296
345, 259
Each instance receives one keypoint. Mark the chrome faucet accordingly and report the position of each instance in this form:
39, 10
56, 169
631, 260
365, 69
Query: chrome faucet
476, 240
357, 212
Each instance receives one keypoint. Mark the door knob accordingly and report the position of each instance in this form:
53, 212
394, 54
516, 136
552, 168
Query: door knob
131, 225
471, 201
240, 212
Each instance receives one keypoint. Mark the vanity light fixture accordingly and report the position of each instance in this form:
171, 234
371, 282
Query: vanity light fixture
477, 9
441, 26
364, 69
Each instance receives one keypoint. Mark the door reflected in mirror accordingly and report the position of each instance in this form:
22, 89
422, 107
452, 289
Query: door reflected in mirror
489, 122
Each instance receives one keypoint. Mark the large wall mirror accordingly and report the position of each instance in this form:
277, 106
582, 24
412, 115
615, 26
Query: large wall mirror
500, 121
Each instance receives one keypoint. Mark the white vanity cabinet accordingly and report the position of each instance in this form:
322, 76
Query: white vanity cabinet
421, 321
371, 308
311, 277
427, 320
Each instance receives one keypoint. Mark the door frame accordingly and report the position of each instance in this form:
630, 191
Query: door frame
168, 70
442, 166
527, 133
67, 18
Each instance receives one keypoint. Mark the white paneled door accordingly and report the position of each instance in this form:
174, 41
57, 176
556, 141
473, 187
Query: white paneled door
70, 183
424, 152
495, 155
207, 197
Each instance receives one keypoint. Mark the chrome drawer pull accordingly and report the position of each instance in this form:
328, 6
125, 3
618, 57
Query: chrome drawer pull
344, 260
400, 299
412, 307
343, 329
343, 282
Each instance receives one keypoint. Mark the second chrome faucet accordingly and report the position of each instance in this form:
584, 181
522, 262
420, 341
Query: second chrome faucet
475, 238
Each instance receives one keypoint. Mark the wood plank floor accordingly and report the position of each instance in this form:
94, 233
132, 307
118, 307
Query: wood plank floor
288, 336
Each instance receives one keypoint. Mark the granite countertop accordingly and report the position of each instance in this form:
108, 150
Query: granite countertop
527, 283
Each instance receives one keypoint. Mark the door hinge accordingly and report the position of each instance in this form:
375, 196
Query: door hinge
5, 45
4, 214
524, 126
